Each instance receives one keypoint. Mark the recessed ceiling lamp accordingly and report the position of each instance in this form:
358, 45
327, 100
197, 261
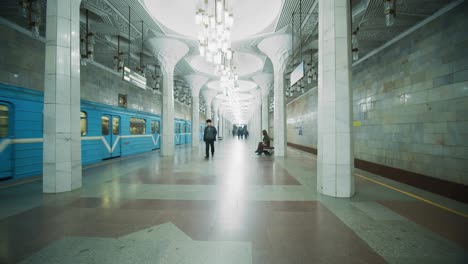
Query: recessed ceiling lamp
215, 35
389, 11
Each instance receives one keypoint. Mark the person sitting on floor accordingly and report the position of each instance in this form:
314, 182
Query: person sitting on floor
264, 144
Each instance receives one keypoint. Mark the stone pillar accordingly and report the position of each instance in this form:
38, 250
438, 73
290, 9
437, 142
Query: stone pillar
256, 130
264, 81
209, 95
168, 52
62, 136
196, 82
335, 155
216, 104
278, 49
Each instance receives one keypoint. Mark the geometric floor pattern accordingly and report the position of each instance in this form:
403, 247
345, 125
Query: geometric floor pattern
233, 208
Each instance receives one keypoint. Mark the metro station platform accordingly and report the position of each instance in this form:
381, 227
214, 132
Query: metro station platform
234, 208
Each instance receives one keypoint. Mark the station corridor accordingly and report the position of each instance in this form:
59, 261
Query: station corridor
234, 208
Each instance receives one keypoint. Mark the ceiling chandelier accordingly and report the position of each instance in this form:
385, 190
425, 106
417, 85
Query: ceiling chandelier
215, 34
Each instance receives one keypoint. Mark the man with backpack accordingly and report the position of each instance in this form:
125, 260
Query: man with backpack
209, 137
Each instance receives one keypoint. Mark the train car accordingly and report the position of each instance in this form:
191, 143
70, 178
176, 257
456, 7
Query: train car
106, 132
188, 132
109, 132
202, 130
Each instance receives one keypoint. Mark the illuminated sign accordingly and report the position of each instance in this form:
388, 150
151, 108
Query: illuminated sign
134, 78
297, 74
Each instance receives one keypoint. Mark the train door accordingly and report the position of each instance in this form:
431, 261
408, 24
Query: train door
155, 133
182, 132
111, 132
188, 135
202, 130
177, 133
6, 134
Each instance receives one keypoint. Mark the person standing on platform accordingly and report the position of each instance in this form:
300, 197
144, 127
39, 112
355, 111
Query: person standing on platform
209, 136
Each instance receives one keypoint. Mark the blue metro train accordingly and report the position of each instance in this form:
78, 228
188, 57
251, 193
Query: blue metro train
106, 132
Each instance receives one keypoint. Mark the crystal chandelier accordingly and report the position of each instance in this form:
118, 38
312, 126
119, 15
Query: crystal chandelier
215, 34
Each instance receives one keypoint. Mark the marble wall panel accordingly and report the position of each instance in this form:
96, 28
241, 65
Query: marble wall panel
411, 100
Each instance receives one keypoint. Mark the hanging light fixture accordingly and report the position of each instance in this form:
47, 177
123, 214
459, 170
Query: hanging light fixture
32, 10
355, 45
87, 44
389, 11
215, 34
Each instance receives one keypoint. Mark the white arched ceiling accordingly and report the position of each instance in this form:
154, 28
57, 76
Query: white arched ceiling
250, 17
246, 63
244, 86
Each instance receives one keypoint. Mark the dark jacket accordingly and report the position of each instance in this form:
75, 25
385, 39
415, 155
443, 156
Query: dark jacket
210, 134
266, 140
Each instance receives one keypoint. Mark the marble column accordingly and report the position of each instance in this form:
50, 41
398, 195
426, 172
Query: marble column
256, 131
168, 52
215, 105
209, 95
264, 81
335, 154
196, 82
278, 48
62, 136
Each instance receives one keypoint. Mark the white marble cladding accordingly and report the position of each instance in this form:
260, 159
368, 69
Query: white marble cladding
24, 56
278, 49
412, 102
302, 120
168, 52
62, 140
334, 162
265, 82
196, 82
102, 86
22, 59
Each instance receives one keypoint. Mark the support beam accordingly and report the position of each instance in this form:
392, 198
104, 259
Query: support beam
278, 48
265, 82
196, 82
62, 137
168, 52
335, 154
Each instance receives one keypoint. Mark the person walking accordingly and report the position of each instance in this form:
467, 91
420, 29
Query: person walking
209, 136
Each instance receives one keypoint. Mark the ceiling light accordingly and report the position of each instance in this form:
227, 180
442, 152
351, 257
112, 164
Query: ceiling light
215, 34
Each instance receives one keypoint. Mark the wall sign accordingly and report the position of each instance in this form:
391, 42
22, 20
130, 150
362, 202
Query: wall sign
297, 74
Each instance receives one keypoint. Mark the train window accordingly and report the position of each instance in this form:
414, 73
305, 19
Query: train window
188, 129
177, 127
105, 125
153, 127
184, 128
137, 126
84, 123
115, 125
157, 127
4, 121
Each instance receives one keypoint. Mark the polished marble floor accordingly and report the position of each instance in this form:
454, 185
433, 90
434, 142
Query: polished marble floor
234, 208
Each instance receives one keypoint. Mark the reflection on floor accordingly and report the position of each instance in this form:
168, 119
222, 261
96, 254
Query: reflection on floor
234, 208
